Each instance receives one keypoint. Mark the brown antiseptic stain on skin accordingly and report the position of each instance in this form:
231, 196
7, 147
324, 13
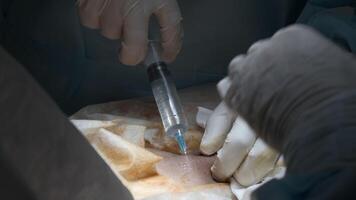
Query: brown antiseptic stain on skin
131, 161
154, 170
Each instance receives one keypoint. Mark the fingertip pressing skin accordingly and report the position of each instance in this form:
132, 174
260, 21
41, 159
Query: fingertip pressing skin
237, 145
217, 128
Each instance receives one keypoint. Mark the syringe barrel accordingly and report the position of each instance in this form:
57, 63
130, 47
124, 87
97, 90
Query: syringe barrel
167, 100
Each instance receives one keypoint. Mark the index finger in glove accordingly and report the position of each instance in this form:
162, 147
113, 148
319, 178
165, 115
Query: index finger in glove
217, 127
111, 20
90, 11
169, 18
135, 34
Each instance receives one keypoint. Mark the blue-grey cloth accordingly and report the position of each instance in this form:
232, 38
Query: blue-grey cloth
333, 18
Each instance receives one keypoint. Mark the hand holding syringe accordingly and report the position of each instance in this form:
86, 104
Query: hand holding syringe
165, 94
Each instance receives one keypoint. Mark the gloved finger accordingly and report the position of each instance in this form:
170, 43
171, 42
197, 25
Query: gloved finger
202, 116
111, 21
223, 86
237, 145
259, 45
90, 11
135, 35
169, 18
258, 163
229, 93
280, 161
217, 127
237, 63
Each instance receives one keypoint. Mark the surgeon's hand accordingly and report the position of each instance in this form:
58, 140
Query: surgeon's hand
284, 88
128, 20
239, 152
297, 92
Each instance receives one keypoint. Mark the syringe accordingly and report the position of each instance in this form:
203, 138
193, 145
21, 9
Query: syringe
165, 94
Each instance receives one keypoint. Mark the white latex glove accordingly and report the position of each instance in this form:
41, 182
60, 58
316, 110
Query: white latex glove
239, 153
128, 20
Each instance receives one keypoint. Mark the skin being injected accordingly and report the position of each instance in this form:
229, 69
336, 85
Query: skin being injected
165, 93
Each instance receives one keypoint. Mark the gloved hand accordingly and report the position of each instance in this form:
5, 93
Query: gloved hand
297, 92
128, 20
240, 153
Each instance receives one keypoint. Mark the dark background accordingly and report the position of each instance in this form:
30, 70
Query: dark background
77, 66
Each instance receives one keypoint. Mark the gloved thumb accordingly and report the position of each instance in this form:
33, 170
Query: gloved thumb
217, 127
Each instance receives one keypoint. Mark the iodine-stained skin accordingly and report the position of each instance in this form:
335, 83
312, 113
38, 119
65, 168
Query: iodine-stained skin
176, 176
187, 170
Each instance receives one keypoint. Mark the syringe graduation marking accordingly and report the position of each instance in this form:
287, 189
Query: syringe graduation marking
165, 93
